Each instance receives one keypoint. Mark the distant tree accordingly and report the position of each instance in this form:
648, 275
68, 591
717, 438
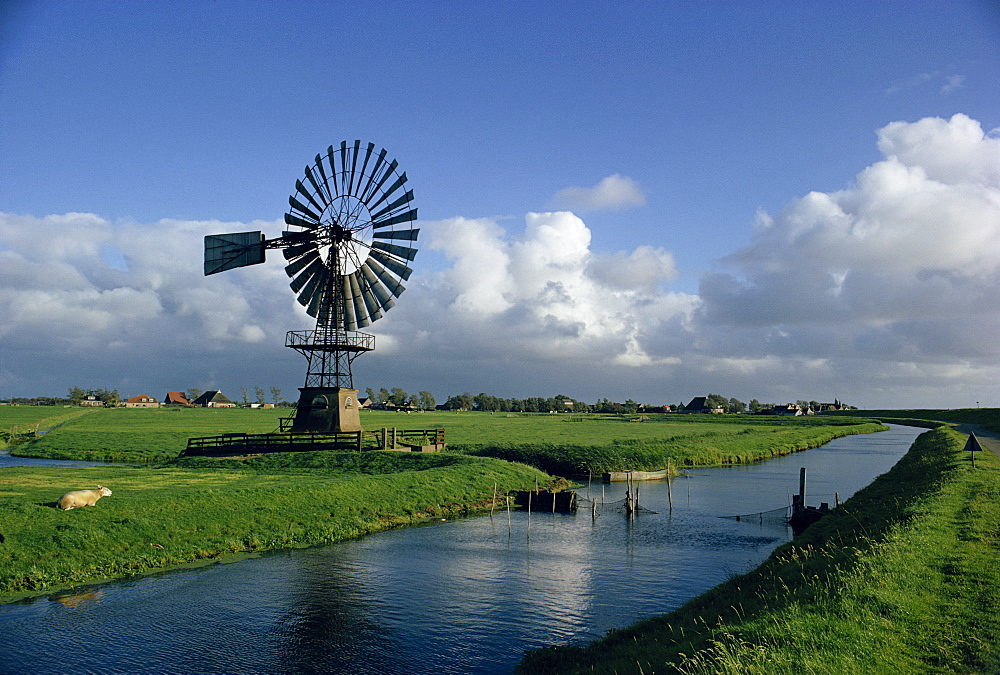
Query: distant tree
398, 396
76, 394
427, 400
814, 405
371, 395
259, 393
737, 406
717, 401
755, 406
383, 396
193, 393
630, 406
276, 395
246, 396
413, 401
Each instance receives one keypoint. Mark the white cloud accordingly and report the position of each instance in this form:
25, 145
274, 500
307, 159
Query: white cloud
900, 272
614, 192
885, 293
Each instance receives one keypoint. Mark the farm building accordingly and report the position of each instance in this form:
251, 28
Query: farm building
213, 398
92, 400
176, 398
699, 404
142, 401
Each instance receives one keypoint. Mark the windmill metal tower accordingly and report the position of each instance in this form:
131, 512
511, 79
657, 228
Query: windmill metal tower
344, 266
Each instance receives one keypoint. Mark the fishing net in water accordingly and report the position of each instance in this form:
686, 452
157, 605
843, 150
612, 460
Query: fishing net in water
620, 506
774, 515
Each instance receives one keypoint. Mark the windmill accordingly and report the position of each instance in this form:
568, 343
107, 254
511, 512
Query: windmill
345, 265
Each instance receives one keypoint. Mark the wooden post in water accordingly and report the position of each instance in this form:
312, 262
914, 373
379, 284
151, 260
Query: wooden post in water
494, 502
529, 513
507, 500
802, 486
670, 494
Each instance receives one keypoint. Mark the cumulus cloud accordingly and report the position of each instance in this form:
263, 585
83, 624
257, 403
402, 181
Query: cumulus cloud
884, 293
613, 193
527, 311
900, 272
76, 288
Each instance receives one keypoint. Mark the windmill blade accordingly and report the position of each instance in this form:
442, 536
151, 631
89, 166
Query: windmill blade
319, 191
368, 294
350, 321
407, 217
333, 172
320, 298
376, 287
305, 193
364, 166
388, 192
343, 168
301, 208
394, 286
360, 311
403, 252
395, 205
296, 267
408, 235
378, 164
308, 274
322, 173
293, 252
314, 288
354, 166
292, 219
389, 170
393, 265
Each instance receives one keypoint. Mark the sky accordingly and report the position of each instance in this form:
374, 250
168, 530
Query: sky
648, 200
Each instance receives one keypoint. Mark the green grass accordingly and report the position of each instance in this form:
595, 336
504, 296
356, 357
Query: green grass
988, 418
201, 509
901, 579
579, 443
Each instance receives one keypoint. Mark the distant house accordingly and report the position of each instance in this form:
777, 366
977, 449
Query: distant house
699, 405
789, 410
213, 398
142, 402
836, 405
92, 400
176, 398
364, 402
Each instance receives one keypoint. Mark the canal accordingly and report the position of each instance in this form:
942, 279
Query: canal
462, 596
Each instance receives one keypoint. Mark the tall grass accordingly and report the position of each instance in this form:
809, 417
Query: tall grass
901, 579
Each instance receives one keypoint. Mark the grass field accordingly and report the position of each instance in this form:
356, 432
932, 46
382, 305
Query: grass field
203, 509
901, 579
579, 443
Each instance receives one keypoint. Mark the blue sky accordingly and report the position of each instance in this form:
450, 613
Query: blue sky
674, 145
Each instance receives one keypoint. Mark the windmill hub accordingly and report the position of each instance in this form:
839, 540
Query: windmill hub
345, 268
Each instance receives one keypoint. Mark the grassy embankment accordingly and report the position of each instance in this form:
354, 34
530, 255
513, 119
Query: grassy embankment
902, 578
987, 418
203, 509
180, 512
560, 444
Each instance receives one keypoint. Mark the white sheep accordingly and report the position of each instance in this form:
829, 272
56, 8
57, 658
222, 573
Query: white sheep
71, 500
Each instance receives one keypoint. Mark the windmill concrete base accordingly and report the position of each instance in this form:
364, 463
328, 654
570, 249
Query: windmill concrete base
327, 410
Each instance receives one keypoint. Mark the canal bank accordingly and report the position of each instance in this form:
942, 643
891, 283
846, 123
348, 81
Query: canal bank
902, 578
463, 596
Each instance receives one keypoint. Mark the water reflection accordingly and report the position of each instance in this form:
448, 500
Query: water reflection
466, 596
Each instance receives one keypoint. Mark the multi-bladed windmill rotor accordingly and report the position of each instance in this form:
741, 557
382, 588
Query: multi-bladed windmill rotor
349, 241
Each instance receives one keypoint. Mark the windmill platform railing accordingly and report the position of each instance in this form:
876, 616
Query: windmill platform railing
229, 445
